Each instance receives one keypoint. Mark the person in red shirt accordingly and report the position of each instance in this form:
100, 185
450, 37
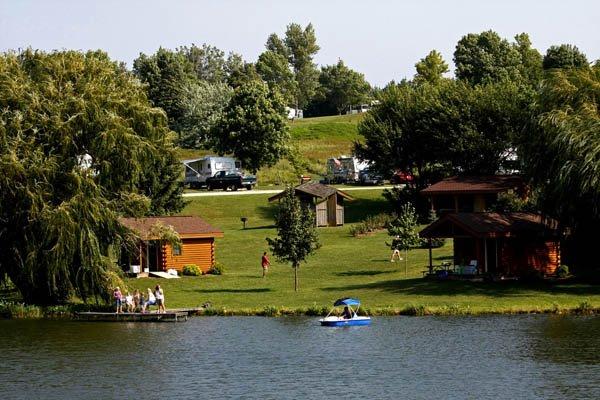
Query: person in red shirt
265, 264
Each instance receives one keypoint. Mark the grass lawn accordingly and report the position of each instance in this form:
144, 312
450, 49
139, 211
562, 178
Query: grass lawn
343, 266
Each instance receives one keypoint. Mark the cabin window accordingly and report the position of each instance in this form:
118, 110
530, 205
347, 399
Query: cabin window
176, 250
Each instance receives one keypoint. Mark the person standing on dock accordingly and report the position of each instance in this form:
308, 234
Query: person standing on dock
160, 299
265, 264
118, 296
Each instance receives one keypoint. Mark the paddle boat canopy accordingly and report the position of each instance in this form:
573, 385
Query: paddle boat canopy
353, 319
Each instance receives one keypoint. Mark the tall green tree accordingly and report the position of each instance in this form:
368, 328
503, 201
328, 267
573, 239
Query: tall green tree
253, 127
207, 62
297, 236
167, 74
80, 145
486, 58
531, 59
431, 68
564, 56
239, 71
299, 47
275, 70
341, 87
404, 231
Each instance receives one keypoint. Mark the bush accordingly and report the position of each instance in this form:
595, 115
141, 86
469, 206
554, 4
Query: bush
562, 271
435, 243
371, 224
217, 269
191, 270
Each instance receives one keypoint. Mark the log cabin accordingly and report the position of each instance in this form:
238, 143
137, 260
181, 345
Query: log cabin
156, 255
504, 244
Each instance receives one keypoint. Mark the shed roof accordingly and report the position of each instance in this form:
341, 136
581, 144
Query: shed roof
186, 226
491, 225
475, 185
314, 189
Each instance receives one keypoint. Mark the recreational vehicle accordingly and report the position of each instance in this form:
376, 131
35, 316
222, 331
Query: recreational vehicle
344, 169
198, 169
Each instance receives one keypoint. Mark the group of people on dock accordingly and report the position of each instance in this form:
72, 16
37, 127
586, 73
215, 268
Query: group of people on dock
137, 302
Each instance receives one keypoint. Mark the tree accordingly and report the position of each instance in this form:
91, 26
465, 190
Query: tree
253, 127
299, 47
207, 62
431, 68
531, 59
275, 71
239, 71
564, 56
166, 74
404, 231
296, 232
202, 106
80, 146
562, 156
486, 58
341, 87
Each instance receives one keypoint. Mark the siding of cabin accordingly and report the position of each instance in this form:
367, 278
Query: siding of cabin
193, 251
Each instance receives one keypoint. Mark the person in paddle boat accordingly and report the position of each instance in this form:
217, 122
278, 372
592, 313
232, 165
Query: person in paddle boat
346, 314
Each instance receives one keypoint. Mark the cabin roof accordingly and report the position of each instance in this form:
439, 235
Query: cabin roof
314, 189
492, 225
186, 226
475, 185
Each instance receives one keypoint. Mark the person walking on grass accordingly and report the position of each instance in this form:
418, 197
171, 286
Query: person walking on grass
118, 296
265, 264
160, 299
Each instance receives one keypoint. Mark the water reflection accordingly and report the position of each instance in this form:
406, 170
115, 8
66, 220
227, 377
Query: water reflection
252, 357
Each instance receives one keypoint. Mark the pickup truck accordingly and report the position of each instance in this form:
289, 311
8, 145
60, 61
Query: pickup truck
233, 180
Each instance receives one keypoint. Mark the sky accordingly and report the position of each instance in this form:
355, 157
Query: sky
382, 39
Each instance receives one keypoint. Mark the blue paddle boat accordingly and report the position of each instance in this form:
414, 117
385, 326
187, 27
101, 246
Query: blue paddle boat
349, 317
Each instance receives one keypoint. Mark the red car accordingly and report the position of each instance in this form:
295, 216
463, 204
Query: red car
401, 177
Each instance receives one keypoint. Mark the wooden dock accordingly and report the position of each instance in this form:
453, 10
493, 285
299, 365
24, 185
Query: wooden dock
169, 316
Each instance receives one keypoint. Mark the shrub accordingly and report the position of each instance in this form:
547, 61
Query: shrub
217, 269
435, 243
191, 270
371, 224
562, 271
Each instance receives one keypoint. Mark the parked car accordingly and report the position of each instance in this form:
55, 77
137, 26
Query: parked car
368, 177
344, 169
232, 180
401, 177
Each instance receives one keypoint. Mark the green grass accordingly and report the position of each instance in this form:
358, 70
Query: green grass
344, 266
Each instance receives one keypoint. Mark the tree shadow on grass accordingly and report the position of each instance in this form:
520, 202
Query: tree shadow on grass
358, 209
256, 290
420, 286
362, 273
251, 228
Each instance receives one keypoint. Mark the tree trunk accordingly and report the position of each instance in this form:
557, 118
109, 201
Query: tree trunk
405, 262
295, 278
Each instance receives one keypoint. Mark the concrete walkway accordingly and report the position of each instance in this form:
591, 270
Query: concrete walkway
271, 191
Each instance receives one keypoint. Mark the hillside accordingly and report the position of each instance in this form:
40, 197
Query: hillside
314, 140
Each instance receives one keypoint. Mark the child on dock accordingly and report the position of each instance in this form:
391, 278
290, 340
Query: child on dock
118, 296
150, 302
160, 299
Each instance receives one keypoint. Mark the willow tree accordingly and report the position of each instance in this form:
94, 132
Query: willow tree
563, 155
79, 146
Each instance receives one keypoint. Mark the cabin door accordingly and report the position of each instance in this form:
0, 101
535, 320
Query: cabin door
154, 256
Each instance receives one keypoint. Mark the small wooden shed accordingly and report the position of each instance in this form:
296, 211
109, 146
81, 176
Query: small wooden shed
326, 201
509, 244
197, 244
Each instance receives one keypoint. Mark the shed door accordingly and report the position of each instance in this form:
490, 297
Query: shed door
339, 214
321, 210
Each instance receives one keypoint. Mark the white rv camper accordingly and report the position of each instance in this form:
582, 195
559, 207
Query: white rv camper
198, 169
344, 169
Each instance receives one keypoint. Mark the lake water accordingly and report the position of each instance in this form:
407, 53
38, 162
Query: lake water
495, 357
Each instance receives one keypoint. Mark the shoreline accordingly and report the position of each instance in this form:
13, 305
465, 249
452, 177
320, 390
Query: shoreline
67, 312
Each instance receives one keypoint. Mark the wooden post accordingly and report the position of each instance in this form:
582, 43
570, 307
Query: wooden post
148, 255
430, 258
